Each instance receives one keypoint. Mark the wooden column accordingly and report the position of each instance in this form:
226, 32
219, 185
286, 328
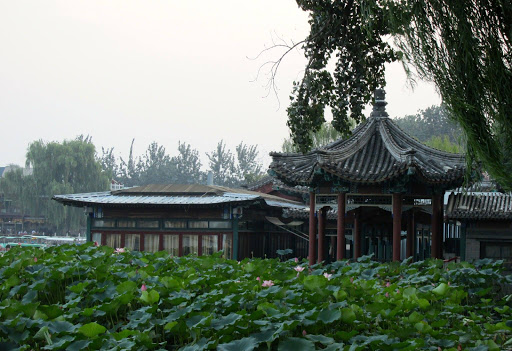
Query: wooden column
322, 215
410, 234
397, 225
437, 226
356, 237
340, 229
312, 228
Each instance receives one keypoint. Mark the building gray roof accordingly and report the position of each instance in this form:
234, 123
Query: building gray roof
479, 206
377, 151
174, 195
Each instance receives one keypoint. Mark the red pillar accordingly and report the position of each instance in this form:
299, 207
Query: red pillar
312, 227
397, 225
321, 233
437, 225
356, 237
410, 234
340, 234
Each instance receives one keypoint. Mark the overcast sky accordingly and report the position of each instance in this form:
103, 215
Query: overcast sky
163, 71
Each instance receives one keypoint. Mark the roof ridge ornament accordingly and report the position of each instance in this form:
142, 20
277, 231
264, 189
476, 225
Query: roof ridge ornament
379, 105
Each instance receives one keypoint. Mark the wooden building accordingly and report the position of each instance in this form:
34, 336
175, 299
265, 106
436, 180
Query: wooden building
485, 220
380, 182
184, 219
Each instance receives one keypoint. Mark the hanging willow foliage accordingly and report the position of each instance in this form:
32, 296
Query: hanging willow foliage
464, 47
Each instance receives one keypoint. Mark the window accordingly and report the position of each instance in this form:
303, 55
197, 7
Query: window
175, 224
147, 224
132, 242
220, 224
171, 244
497, 251
123, 223
113, 240
151, 242
96, 238
198, 224
210, 244
104, 223
190, 244
227, 244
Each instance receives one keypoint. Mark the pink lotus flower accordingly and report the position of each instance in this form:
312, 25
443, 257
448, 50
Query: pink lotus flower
35, 259
258, 278
328, 276
299, 268
387, 294
143, 287
267, 283
388, 284
398, 291
304, 333
120, 250
351, 279
96, 243
296, 260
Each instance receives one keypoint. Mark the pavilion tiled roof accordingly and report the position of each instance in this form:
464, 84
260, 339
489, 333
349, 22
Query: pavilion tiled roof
174, 195
479, 206
377, 151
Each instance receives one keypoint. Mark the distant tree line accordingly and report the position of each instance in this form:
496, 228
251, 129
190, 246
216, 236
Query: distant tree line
435, 128
155, 166
73, 166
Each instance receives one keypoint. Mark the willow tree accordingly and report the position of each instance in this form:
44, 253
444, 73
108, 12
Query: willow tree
463, 47
63, 168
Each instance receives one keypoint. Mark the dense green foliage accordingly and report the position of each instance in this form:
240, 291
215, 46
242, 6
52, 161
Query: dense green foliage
463, 47
57, 168
431, 122
78, 297
325, 135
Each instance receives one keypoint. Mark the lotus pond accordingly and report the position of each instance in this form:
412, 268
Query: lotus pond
87, 298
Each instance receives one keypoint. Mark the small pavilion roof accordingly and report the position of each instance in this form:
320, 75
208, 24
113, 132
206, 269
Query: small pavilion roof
174, 195
377, 151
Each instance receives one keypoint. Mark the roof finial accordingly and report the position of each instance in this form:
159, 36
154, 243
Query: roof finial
379, 106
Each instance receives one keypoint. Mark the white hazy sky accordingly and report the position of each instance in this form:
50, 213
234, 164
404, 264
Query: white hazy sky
163, 71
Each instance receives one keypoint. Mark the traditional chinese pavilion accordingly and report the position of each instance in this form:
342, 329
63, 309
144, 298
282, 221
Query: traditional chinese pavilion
379, 182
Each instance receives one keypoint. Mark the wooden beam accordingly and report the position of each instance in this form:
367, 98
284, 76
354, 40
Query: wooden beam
356, 236
397, 225
312, 228
340, 228
322, 214
437, 226
410, 234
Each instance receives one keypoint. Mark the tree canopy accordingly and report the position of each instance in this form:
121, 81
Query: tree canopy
323, 136
57, 168
463, 47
